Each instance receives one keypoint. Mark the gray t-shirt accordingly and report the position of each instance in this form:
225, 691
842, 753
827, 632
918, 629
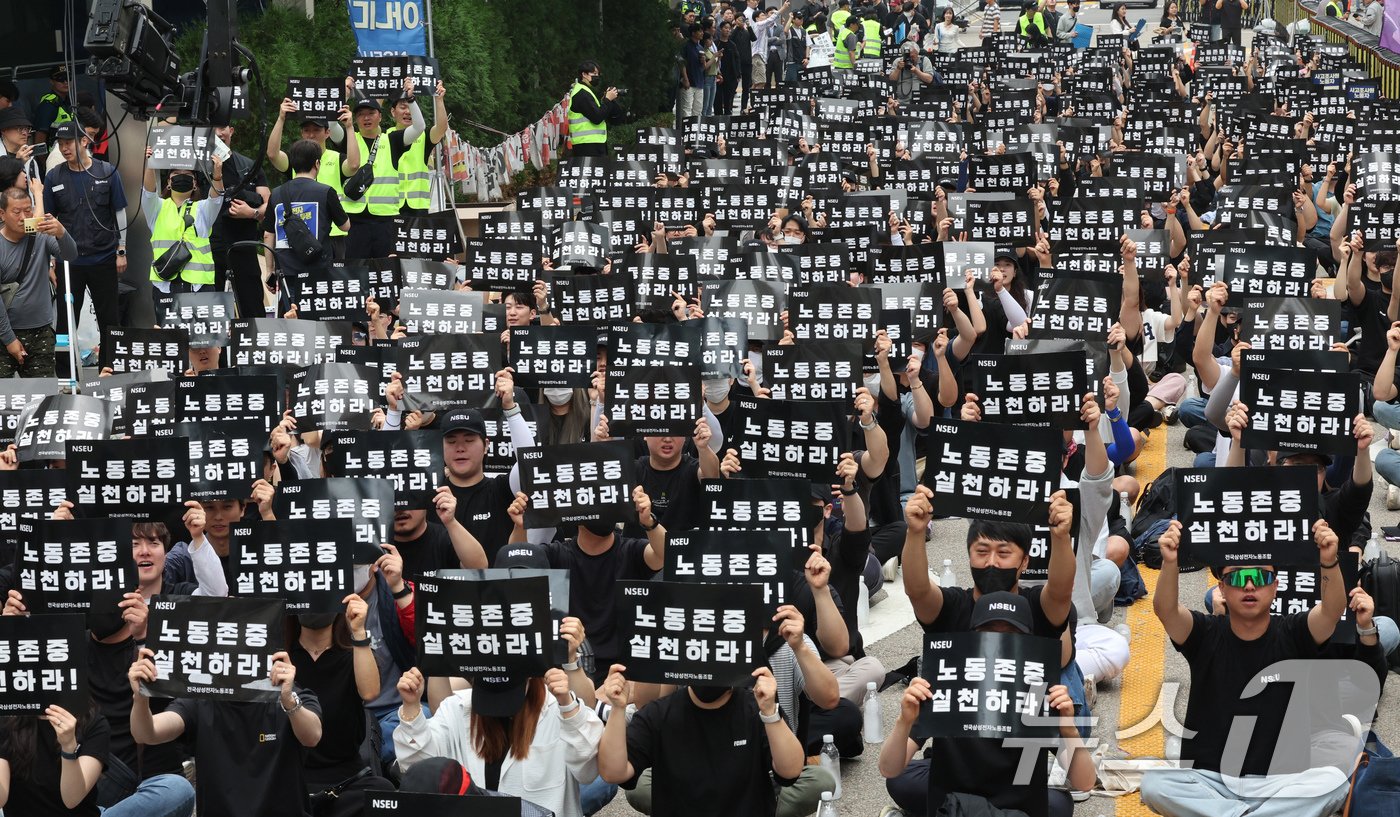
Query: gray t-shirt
33, 305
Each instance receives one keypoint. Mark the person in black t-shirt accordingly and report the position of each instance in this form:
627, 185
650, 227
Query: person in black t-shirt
597, 558
238, 221
481, 500
983, 767
709, 750
426, 547
1234, 675
316, 204
250, 755
671, 477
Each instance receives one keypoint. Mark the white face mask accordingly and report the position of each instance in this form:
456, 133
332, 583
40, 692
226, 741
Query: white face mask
872, 382
360, 577
559, 397
791, 239
716, 390
756, 358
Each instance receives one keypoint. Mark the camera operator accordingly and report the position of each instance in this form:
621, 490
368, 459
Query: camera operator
909, 72
238, 221
589, 115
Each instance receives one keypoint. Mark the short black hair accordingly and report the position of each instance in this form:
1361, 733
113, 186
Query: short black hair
9, 90
587, 67
303, 156
88, 118
522, 296
1016, 533
10, 171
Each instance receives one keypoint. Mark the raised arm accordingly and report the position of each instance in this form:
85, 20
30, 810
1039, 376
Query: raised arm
1058, 594
1322, 619
656, 534
1129, 313
924, 596
1166, 604
275, 154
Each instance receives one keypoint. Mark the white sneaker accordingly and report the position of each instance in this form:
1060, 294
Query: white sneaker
1392, 498
1079, 796
889, 571
891, 811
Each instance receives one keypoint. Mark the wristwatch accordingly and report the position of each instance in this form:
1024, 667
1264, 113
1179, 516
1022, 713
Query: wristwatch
655, 523
73, 755
774, 718
296, 704
121, 252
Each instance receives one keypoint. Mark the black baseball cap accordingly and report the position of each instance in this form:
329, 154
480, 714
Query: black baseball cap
1008, 253
1290, 453
1012, 608
318, 121
464, 419
499, 696
522, 554
366, 102
68, 130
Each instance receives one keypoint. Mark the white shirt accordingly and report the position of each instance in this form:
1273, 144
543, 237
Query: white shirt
1154, 331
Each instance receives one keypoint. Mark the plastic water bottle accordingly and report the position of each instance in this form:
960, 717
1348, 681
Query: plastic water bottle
870, 707
1191, 390
1373, 548
948, 579
828, 808
831, 761
1125, 508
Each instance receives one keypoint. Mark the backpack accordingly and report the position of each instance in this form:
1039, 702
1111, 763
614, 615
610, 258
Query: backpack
1381, 580
1155, 509
299, 238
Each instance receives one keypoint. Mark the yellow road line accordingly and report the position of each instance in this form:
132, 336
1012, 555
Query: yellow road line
1142, 679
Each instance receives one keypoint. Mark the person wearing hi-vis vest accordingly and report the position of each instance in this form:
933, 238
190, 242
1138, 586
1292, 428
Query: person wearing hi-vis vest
332, 166
1031, 24
176, 220
53, 106
589, 115
372, 212
848, 46
874, 36
415, 160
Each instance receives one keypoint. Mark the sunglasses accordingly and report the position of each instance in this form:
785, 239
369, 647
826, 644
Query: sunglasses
1258, 576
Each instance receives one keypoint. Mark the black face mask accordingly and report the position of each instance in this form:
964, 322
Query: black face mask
316, 621
182, 183
994, 579
1387, 281
600, 528
104, 624
708, 695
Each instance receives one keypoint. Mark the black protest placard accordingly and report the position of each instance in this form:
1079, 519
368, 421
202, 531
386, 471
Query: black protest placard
651, 344
761, 505
1294, 324
906, 264
1010, 171
711, 253
146, 410
1266, 270
115, 390
759, 265
731, 557
835, 312
553, 356
1080, 305
526, 224
180, 147
581, 244
135, 477
744, 206
368, 503
820, 263
440, 311
443, 370
434, 236
214, 648
558, 592
205, 317
1309, 410
758, 303
578, 483
682, 633
657, 278
422, 804
330, 291
1249, 516
317, 97
785, 439
225, 457
424, 273
1378, 219
646, 400
383, 77
677, 209
1092, 223
15, 394
334, 397
992, 471
43, 663
724, 347
1012, 222
27, 496
412, 460
1298, 590
1159, 174
1043, 390
502, 264
1305, 361
230, 397
813, 369
138, 350
75, 565
923, 303
306, 563
500, 451
475, 627
989, 685
1038, 557
591, 299
284, 341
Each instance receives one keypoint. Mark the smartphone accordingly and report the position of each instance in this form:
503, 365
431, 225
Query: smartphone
31, 225
40, 150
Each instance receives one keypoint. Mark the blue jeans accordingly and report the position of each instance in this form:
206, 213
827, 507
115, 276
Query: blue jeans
1073, 679
166, 795
709, 104
593, 796
388, 717
1191, 411
1388, 461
